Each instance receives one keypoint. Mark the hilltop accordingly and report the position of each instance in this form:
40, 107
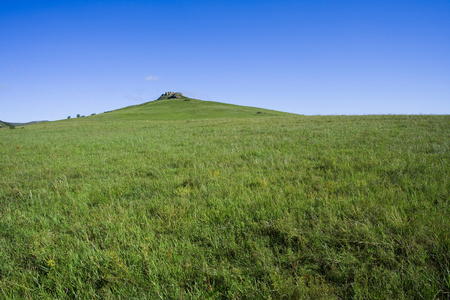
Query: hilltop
175, 106
171, 95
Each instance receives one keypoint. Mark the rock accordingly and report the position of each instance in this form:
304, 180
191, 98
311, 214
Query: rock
170, 95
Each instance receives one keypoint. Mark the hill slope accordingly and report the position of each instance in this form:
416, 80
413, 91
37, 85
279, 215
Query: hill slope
187, 108
6, 125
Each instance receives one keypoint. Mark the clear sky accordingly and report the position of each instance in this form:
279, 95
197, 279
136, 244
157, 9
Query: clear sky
61, 58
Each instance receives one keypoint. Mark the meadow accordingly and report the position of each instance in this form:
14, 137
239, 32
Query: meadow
148, 203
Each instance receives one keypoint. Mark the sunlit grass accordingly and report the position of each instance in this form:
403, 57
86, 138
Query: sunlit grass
255, 207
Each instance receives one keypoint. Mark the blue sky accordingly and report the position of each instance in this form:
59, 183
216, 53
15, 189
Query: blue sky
61, 58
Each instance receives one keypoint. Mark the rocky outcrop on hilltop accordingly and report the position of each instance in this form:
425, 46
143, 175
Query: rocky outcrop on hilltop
170, 95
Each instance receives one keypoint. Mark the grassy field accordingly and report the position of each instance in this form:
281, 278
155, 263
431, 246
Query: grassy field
192, 199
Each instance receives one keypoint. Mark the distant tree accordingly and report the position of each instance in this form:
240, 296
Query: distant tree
78, 115
68, 117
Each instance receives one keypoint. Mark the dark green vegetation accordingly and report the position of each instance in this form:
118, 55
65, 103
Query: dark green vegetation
191, 199
6, 125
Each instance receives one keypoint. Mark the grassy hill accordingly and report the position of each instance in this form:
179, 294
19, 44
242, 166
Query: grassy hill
187, 199
187, 109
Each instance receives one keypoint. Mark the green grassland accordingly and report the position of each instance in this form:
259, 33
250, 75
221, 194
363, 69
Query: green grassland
187, 199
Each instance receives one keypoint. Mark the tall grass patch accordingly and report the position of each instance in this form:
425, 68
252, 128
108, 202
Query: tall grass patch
246, 208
